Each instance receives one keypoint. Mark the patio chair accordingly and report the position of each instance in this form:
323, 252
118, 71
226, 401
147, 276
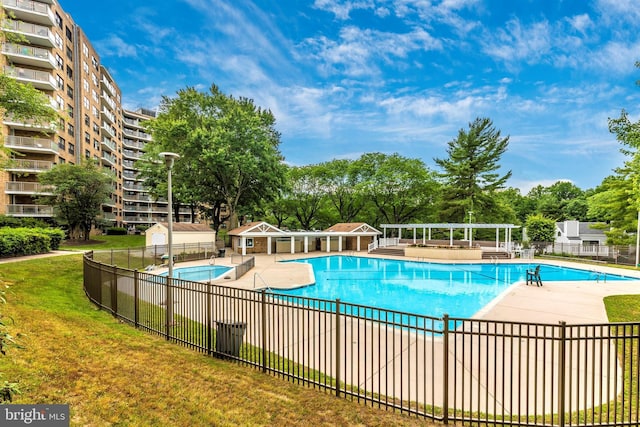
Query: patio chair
534, 276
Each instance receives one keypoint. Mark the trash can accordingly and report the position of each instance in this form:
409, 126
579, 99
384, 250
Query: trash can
229, 336
221, 252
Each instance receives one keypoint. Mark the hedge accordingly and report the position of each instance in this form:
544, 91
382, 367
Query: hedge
29, 241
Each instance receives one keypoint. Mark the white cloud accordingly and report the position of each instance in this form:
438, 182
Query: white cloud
517, 43
357, 51
342, 9
115, 46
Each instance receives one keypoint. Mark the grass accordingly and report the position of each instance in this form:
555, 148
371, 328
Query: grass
105, 242
113, 374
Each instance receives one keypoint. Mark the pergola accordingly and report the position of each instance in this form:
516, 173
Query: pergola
467, 227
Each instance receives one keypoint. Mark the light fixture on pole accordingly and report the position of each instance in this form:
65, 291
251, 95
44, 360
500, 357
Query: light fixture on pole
169, 159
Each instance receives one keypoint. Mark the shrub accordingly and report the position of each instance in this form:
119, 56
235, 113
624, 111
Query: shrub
28, 241
116, 231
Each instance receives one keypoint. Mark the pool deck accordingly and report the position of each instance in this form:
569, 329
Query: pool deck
546, 304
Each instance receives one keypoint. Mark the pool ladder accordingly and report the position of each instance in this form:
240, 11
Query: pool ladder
266, 286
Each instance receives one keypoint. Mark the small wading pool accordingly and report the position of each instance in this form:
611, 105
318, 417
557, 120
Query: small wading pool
200, 273
431, 289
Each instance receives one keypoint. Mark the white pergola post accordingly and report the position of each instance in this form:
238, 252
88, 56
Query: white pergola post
358, 244
424, 235
293, 245
339, 243
306, 244
414, 235
399, 233
268, 245
384, 233
328, 243
470, 236
497, 237
243, 243
450, 236
506, 239
429, 233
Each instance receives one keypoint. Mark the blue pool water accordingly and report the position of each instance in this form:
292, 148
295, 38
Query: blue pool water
431, 289
199, 273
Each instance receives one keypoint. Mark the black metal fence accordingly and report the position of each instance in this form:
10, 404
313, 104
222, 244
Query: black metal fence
449, 369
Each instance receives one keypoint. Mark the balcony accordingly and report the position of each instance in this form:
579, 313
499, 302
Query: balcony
136, 198
129, 186
108, 144
131, 154
38, 79
109, 130
30, 210
110, 102
108, 115
130, 174
30, 125
31, 11
132, 122
133, 144
108, 85
35, 34
29, 55
109, 159
29, 188
109, 216
137, 134
31, 145
28, 166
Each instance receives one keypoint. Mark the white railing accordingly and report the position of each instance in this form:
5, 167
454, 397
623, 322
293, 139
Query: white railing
388, 241
372, 246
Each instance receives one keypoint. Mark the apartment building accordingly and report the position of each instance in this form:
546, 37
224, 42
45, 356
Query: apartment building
55, 56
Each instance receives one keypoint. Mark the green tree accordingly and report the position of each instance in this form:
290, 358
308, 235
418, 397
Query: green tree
307, 197
341, 183
400, 188
78, 194
229, 150
540, 228
470, 172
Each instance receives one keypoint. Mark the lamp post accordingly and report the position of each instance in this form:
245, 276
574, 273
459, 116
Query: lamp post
169, 159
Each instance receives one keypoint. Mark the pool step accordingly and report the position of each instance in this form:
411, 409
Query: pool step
388, 251
495, 255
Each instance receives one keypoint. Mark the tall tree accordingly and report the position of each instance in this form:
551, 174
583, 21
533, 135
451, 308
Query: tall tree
341, 183
229, 149
402, 189
78, 194
470, 172
307, 196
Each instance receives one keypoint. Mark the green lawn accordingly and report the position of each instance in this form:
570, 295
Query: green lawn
106, 242
112, 374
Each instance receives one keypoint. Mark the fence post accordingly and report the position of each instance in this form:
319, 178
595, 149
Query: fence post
561, 373
209, 318
169, 307
136, 293
111, 263
114, 292
445, 369
264, 329
337, 347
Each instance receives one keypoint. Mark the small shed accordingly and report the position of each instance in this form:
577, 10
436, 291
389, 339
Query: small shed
183, 233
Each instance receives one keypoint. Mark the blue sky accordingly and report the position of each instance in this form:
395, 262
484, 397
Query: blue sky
345, 77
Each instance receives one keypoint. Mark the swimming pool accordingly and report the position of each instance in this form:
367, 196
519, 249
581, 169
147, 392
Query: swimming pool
199, 273
431, 289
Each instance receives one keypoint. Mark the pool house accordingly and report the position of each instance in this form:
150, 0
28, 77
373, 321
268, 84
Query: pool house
262, 237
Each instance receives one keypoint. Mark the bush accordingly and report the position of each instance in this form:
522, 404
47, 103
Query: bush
29, 241
116, 231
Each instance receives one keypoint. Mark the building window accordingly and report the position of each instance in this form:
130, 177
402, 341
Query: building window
85, 102
69, 54
95, 112
96, 127
85, 67
96, 144
70, 111
59, 82
85, 49
69, 91
72, 148
94, 79
67, 30
87, 138
86, 119
94, 62
69, 72
57, 40
59, 103
58, 20
59, 62
61, 143
85, 85
87, 154
70, 129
